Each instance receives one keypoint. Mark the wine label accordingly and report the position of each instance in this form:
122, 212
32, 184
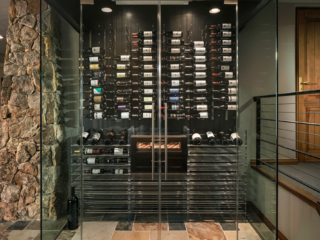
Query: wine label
121, 75
97, 91
94, 59
96, 171
98, 74
226, 42
175, 50
121, 66
96, 50
226, 34
202, 107
200, 98
225, 67
176, 34
148, 91
91, 160
200, 75
232, 107
232, 98
201, 90
147, 107
147, 83
226, 25
147, 42
98, 115
234, 136
96, 107
146, 50
233, 83
175, 107
147, 58
175, 83
174, 90
94, 66
200, 50
118, 151
195, 135
116, 171
200, 67
201, 83
175, 41
125, 115
232, 91
226, 58
88, 151
210, 134
174, 66
228, 74
97, 99
124, 58
203, 114
174, 99
147, 115
94, 83
148, 66
199, 58
147, 74
147, 99
85, 134
97, 136
226, 50
198, 43
175, 74
147, 33
120, 99
121, 107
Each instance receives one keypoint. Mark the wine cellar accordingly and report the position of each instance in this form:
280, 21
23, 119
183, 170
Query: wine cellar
159, 112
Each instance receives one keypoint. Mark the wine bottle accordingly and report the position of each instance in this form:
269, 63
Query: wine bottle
197, 51
91, 151
198, 90
94, 171
145, 67
223, 50
145, 42
145, 50
95, 50
145, 59
144, 34
224, 42
174, 34
109, 137
123, 107
145, 75
197, 83
73, 207
123, 137
93, 67
174, 99
223, 68
173, 50
227, 107
197, 99
177, 115
175, 107
119, 66
226, 75
121, 91
147, 91
96, 137
85, 137
96, 115
200, 115
223, 138
211, 138
119, 171
95, 74
197, 44
223, 59
196, 139
223, 26
173, 90
199, 107
229, 91
95, 83
175, 42
176, 59
173, 83
230, 83
173, 67
199, 67
143, 107
145, 83
226, 99
235, 138
93, 59
222, 34
95, 99
91, 160
123, 83
176, 75
199, 59
144, 99
121, 58
119, 75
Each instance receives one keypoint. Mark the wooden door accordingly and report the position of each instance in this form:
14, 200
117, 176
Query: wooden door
308, 78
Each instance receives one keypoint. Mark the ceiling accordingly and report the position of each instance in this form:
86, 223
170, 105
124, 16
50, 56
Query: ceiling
4, 16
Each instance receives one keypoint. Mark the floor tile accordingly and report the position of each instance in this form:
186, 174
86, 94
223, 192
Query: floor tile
121, 235
205, 230
5, 225
19, 234
228, 226
177, 226
150, 218
38, 237
77, 236
35, 225
124, 226
231, 235
114, 217
149, 227
19, 225
170, 235
93, 217
98, 230
249, 235
66, 235
49, 234
54, 225
245, 227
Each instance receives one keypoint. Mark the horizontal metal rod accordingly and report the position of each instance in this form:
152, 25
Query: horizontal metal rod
292, 112
287, 121
286, 103
287, 94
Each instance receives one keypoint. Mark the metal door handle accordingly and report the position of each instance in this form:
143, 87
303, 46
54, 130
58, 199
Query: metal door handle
152, 141
165, 140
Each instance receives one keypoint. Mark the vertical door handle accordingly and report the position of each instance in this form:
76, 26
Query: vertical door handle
165, 140
152, 141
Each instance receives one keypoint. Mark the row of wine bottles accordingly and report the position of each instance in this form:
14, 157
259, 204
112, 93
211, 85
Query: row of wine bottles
233, 138
91, 151
92, 160
102, 171
108, 139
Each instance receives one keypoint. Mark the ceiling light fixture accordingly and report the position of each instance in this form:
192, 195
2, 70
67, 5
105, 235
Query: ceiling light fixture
214, 10
106, 10
1, 37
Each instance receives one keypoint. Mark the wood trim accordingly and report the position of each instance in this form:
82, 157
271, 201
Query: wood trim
266, 221
282, 161
300, 193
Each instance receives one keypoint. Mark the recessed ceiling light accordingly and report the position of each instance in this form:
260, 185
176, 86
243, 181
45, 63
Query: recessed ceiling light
1, 37
106, 9
214, 10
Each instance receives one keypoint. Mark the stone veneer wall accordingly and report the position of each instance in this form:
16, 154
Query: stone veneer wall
20, 175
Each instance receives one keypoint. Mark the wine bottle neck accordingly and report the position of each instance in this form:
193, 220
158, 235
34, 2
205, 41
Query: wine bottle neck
73, 191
